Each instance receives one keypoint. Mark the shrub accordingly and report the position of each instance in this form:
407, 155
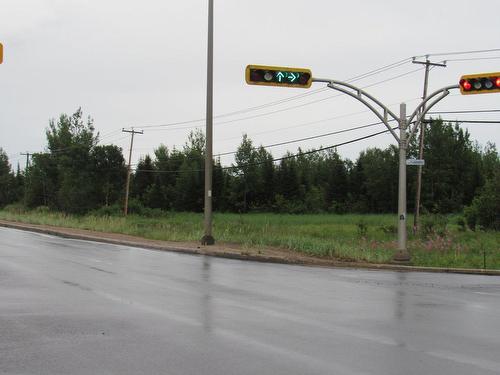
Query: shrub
15, 208
362, 228
113, 210
462, 225
434, 224
42, 210
485, 208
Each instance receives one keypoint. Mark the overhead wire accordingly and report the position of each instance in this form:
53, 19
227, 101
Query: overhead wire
292, 107
474, 59
357, 128
465, 111
460, 52
274, 160
473, 121
300, 96
308, 138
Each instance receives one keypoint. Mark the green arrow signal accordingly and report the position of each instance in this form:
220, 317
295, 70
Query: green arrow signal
292, 77
280, 76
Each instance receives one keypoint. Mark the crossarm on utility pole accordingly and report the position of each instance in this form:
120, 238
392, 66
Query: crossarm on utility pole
358, 94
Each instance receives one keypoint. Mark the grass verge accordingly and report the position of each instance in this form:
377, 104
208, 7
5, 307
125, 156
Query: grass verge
368, 238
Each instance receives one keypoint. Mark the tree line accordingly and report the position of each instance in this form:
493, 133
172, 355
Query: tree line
77, 175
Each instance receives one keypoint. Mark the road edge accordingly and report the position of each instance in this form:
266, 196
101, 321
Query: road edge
215, 251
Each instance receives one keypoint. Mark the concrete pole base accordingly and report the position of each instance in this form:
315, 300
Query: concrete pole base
402, 256
207, 240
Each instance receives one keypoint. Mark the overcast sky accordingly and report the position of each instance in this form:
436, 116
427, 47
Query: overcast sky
142, 63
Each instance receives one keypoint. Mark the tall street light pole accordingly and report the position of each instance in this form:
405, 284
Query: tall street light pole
402, 254
207, 238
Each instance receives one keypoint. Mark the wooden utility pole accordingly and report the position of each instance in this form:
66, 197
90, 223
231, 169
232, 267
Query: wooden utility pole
127, 184
416, 214
27, 154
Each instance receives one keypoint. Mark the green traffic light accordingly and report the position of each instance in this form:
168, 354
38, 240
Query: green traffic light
278, 76
283, 76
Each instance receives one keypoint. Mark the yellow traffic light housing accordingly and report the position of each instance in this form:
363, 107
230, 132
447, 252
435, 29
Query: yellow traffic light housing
483, 83
278, 76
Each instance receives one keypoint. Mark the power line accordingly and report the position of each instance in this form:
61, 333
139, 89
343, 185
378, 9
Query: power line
281, 101
308, 138
316, 91
107, 135
300, 96
288, 108
379, 70
318, 100
323, 148
473, 121
476, 59
275, 159
461, 52
465, 111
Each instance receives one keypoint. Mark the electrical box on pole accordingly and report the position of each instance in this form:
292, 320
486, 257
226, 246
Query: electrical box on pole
482, 83
278, 76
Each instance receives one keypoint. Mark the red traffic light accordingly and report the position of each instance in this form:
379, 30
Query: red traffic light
466, 85
480, 83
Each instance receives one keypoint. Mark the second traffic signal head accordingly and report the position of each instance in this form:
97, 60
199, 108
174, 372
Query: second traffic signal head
480, 83
278, 76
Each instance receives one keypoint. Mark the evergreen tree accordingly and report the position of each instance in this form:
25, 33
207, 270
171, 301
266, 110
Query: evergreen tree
143, 181
378, 174
7, 181
109, 174
264, 189
452, 169
244, 188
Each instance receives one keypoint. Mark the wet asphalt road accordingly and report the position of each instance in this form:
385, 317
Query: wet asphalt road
74, 307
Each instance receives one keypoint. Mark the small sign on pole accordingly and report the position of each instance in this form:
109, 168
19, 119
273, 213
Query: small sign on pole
418, 162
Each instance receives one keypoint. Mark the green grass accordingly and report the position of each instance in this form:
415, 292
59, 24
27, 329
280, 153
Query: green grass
369, 238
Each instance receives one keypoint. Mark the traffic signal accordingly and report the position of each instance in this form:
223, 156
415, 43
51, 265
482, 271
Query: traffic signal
278, 76
1, 53
480, 83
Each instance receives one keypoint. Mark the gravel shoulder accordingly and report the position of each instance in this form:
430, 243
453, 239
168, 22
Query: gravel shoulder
225, 250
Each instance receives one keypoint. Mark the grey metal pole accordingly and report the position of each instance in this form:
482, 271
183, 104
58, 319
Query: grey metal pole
207, 238
402, 254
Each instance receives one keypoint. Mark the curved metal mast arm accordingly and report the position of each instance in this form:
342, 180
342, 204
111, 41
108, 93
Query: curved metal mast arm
445, 91
358, 94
